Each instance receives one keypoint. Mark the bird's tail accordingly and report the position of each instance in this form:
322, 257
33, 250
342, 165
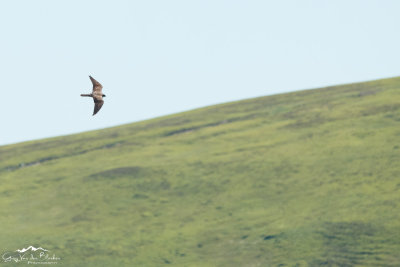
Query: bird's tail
86, 95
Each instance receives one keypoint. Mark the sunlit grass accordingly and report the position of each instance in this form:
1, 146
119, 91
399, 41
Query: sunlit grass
308, 178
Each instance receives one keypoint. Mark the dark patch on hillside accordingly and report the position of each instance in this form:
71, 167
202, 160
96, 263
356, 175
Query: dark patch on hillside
189, 129
140, 196
349, 244
380, 109
80, 218
268, 237
307, 121
122, 172
366, 93
137, 179
55, 157
213, 124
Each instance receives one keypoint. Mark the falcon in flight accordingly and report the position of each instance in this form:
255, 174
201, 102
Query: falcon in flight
97, 95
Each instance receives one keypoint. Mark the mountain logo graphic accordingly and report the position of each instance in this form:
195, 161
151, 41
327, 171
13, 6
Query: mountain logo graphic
30, 248
30, 255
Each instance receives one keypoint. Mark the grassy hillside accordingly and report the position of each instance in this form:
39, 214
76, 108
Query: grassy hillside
309, 178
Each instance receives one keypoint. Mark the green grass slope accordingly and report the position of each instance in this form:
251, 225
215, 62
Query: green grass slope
308, 178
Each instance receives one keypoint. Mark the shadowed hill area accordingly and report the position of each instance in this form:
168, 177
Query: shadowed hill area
308, 178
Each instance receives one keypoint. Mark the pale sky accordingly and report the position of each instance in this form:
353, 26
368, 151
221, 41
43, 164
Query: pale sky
161, 57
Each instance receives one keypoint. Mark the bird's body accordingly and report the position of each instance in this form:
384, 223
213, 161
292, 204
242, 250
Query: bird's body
96, 94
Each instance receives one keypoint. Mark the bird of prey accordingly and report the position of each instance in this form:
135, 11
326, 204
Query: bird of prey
97, 95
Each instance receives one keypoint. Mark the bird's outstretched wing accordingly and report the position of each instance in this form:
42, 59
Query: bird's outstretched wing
98, 103
96, 85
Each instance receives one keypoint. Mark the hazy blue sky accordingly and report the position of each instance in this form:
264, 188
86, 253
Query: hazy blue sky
161, 57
